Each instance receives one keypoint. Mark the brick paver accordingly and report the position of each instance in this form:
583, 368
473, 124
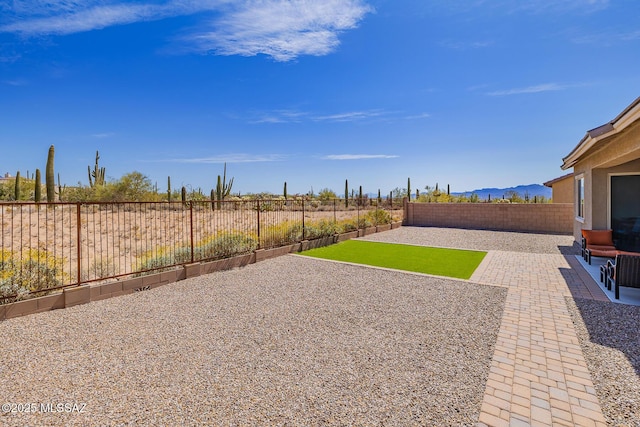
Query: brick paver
538, 374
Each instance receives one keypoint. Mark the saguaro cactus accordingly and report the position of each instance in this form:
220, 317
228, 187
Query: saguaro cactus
409, 188
61, 189
169, 189
16, 191
285, 191
37, 194
97, 174
223, 188
50, 176
183, 194
346, 193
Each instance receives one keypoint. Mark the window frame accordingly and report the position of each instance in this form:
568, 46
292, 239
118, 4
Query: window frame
580, 196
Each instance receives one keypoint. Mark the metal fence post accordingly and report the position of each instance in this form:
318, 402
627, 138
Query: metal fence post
192, 244
258, 217
79, 237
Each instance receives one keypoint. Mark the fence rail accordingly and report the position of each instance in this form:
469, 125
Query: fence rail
44, 247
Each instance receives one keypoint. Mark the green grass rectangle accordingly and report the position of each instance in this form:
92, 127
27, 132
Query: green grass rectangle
456, 263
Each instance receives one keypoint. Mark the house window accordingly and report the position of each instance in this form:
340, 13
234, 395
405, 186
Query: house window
580, 198
625, 211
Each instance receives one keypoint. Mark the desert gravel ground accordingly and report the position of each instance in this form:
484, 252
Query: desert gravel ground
288, 341
610, 340
482, 240
298, 341
609, 333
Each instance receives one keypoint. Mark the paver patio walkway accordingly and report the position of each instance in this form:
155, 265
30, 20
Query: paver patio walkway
538, 374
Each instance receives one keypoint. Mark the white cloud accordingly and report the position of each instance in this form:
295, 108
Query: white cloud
85, 19
43, 17
464, 45
351, 116
282, 29
606, 38
544, 6
295, 116
16, 82
32, 7
234, 158
281, 116
103, 135
546, 87
359, 156
418, 116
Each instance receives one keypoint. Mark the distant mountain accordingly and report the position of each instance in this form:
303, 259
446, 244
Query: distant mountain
531, 190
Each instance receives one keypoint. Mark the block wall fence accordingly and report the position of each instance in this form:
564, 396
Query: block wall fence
528, 217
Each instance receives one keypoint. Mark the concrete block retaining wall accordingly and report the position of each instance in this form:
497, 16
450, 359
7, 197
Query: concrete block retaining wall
86, 293
539, 218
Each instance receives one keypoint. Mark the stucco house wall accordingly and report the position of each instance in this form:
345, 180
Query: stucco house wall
613, 148
561, 189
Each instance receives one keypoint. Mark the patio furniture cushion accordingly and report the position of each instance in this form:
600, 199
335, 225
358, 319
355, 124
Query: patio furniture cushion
598, 237
601, 248
598, 243
605, 253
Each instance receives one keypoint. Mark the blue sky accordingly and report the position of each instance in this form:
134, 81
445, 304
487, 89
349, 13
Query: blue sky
471, 93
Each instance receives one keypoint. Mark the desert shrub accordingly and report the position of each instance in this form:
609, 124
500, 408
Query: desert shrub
269, 205
221, 245
326, 194
164, 258
225, 245
131, 187
322, 228
27, 190
284, 233
378, 217
14, 291
312, 205
347, 225
354, 223
364, 223
103, 267
28, 271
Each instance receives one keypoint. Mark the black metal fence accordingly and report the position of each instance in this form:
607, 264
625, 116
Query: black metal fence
44, 247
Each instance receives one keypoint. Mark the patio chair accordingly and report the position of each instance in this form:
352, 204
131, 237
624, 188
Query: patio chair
625, 271
598, 243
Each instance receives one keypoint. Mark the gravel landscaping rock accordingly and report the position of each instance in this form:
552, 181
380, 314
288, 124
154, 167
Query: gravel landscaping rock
610, 341
299, 341
482, 240
609, 333
287, 341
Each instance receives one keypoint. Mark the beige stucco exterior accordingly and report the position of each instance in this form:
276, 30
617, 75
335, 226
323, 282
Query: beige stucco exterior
561, 189
611, 149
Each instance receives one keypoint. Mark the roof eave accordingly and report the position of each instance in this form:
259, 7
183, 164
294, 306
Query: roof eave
626, 117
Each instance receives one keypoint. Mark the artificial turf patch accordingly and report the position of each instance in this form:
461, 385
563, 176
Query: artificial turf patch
421, 259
